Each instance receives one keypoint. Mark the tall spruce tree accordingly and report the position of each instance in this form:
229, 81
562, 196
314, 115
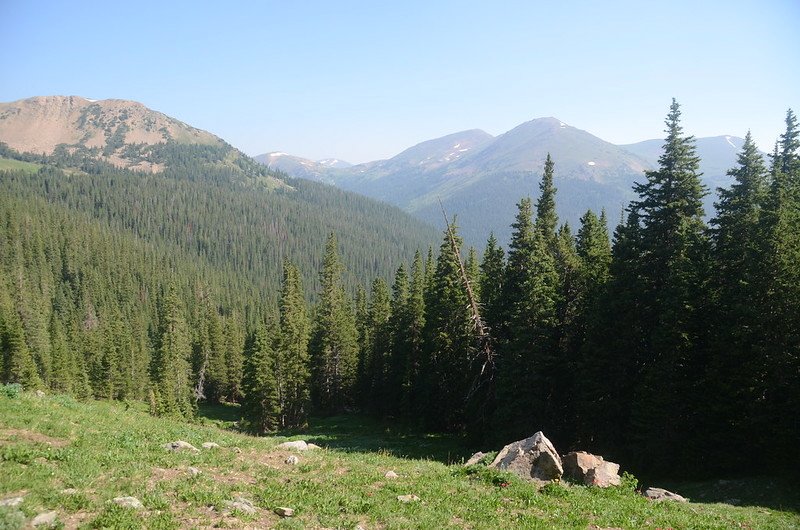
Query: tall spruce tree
781, 222
674, 266
399, 325
292, 350
170, 371
491, 284
527, 334
261, 405
449, 342
334, 343
739, 287
379, 346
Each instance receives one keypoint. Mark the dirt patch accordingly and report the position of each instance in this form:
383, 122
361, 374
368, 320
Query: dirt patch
74, 520
160, 474
13, 435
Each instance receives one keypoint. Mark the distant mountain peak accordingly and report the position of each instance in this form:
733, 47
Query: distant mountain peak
100, 128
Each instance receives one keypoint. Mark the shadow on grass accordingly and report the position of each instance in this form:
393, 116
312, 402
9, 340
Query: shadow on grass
765, 492
356, 433
223, 415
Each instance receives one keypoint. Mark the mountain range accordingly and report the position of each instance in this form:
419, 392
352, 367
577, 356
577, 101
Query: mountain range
480, 178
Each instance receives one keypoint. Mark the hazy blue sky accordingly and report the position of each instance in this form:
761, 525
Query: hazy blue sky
364, 80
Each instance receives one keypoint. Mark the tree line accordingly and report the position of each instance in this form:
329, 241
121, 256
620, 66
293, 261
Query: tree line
672, 346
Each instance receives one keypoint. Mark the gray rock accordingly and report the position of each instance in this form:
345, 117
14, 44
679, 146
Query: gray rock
40, 394
237, 450
591, 470
313, 446
45, 519
474, 459
12, 501
128, 502
193, 471
533, 458
660, 494
391, 474
210, 445
69, 491
240, 504
405, 499
284, 512
297, 445
292, 460
180, 445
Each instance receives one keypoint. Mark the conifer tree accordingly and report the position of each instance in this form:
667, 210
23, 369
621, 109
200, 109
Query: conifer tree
781, 222
546, 216
491, 284
674, 265
414, 339
293, 349
739, 286
170, 371
379, 346
528, 330
398, 326
234, 337
449, 343
261, 407
334, 345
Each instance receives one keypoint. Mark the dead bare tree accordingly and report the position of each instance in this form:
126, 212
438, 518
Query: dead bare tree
485, 350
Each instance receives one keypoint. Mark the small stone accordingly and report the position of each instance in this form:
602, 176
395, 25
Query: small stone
240, 504
391, 474
180, 445
237, 450
193, 471
12, 501
210, 445
69, 491
284, 512
40, 394
292, 460
297, 445
128, 502
660, 494
407, 498
474, 459
45, 519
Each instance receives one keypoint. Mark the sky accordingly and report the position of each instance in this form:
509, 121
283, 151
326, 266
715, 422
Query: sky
364, 80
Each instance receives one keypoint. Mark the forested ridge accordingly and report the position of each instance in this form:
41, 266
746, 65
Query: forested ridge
672, 346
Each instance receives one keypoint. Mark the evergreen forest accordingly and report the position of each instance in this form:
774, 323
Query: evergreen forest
670, 345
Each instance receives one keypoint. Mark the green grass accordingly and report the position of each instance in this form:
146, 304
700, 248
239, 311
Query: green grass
8, 164
103, 450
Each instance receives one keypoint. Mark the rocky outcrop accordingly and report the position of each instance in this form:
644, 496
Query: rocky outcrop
590, 470
533, 458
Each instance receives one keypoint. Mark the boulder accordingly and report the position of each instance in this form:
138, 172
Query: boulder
313, 446
533, 458
284, 512
474, 459
12, 501
660, 494
405, 499
297, 445
210, 445
240, 504
45, 519
591, 470
128, 502
180, 445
